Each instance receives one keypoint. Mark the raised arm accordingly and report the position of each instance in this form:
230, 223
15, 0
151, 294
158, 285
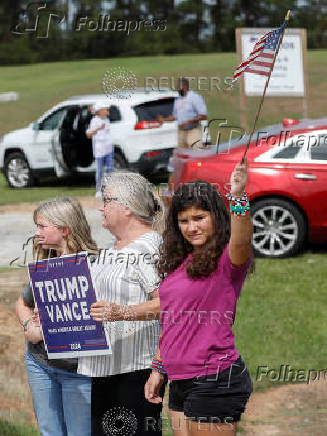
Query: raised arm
241, 226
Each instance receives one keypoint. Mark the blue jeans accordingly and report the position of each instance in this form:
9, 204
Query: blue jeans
103, 161
62, 400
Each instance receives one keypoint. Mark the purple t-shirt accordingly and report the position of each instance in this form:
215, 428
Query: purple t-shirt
197, 317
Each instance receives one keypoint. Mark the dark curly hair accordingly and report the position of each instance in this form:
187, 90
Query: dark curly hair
175, 247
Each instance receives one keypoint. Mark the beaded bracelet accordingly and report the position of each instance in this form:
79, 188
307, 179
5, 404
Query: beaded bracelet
158, 366
238, 205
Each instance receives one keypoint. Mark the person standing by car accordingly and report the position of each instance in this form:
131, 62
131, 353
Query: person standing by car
61, 396
99, 131
189, 109
204, 261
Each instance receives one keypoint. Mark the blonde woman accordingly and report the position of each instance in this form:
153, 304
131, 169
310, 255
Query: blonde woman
61, 397
126, 282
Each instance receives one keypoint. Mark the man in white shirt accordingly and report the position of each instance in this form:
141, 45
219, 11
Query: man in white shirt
99, 131
189, 109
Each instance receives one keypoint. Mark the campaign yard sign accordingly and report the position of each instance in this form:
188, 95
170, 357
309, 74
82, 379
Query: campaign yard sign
63, 292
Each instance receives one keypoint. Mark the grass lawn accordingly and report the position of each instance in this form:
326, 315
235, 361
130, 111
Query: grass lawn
281, 318
5, 269
10, 429
42, 85
49, 188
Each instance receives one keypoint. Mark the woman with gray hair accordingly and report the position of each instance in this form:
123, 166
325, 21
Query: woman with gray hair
126, 283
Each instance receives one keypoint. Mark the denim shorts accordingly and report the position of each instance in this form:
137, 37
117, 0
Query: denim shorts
218, 398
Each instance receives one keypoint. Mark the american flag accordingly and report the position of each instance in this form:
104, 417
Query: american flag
261, 58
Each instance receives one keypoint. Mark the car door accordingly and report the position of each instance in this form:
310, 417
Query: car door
41, 148
83, 145
309, 181
306, 168
63, 141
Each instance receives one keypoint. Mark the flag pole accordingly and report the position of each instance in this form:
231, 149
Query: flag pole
287, 17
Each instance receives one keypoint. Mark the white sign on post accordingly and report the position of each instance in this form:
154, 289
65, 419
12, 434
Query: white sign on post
288, 77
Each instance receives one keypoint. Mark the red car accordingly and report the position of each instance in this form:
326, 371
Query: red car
287, 183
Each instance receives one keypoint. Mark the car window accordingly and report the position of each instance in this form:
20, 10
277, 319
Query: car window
114, 114
319, 152
287, 152
53, 120
148, 111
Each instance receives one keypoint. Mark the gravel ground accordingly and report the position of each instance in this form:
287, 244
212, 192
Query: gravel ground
17, 227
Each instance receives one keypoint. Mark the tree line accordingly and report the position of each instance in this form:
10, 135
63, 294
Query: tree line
69, 29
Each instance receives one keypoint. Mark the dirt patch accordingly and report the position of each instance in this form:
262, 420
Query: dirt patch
10, 284
288, 410
292, 409
15, 399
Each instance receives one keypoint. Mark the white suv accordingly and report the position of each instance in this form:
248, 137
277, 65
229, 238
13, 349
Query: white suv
56, 143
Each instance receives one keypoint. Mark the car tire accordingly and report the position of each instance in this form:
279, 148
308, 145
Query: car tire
17, 171
279, 228
119, 161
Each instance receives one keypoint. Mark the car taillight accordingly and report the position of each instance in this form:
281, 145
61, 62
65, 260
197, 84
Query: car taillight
147, 125
195, 164
290, 122
153, 153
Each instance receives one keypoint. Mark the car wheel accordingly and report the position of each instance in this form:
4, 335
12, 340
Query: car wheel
119, 161
279, 228
17, 171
